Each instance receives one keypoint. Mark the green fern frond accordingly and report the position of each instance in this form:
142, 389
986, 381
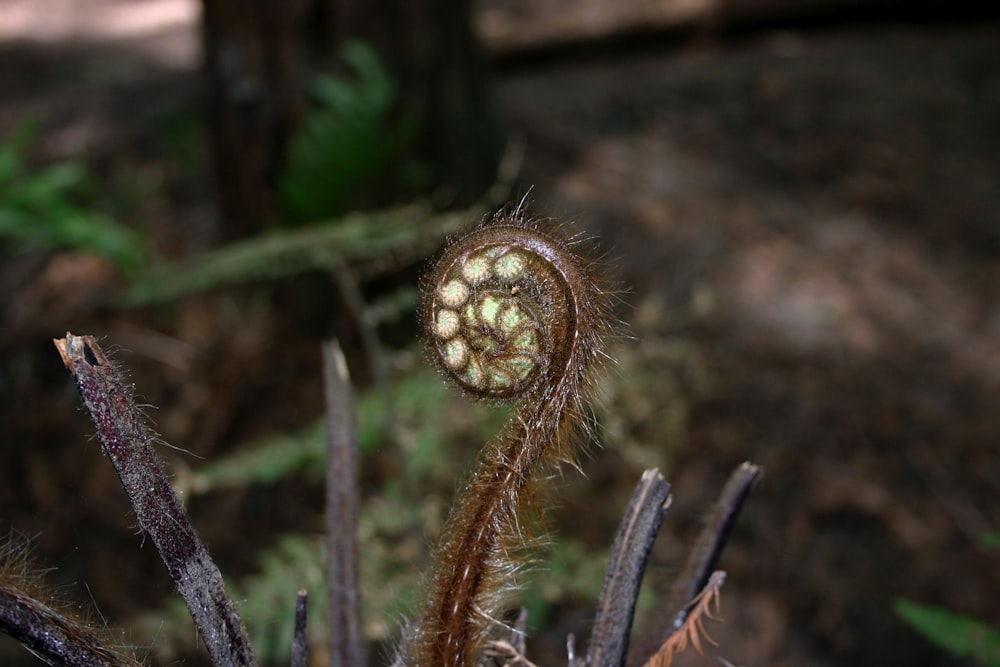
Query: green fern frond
370, 243
417, 401
268, 461
42, 210
346, 141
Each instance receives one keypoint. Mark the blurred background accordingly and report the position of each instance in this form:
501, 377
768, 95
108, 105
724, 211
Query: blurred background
799, 201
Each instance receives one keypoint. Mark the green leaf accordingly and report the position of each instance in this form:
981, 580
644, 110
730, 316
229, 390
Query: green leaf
959, 635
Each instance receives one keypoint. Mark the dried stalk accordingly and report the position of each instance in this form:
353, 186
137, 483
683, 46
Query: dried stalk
300, 638
705, 554
346, 639
629, 555
128, 444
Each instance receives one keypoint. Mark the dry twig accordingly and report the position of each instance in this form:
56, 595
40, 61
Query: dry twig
501, 648
708, 548
343, 598
127, 442
629, 555
300, 637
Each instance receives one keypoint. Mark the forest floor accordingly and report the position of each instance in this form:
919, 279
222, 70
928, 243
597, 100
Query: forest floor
806, 226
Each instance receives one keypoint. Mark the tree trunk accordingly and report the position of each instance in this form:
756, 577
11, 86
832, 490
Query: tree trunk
253, 66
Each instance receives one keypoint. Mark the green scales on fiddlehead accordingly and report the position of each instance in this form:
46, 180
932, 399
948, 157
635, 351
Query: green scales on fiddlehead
490, 335
511, 312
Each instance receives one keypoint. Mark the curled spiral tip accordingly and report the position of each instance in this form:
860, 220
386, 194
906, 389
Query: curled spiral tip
501, 307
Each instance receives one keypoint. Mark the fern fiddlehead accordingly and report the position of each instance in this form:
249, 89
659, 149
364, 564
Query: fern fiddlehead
511, 312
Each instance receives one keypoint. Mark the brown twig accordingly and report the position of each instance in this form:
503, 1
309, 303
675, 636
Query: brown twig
128, 444
346, 639
629, 555
300, 637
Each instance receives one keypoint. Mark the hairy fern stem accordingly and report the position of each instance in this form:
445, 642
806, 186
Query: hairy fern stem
511, 312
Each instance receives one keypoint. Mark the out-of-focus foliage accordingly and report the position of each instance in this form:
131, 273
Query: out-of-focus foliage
960, 635
347, 140
42, 209
571, 570
268, 461
268, 597
369, 242
416, 401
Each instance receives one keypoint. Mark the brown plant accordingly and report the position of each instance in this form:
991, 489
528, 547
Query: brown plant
692, 630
